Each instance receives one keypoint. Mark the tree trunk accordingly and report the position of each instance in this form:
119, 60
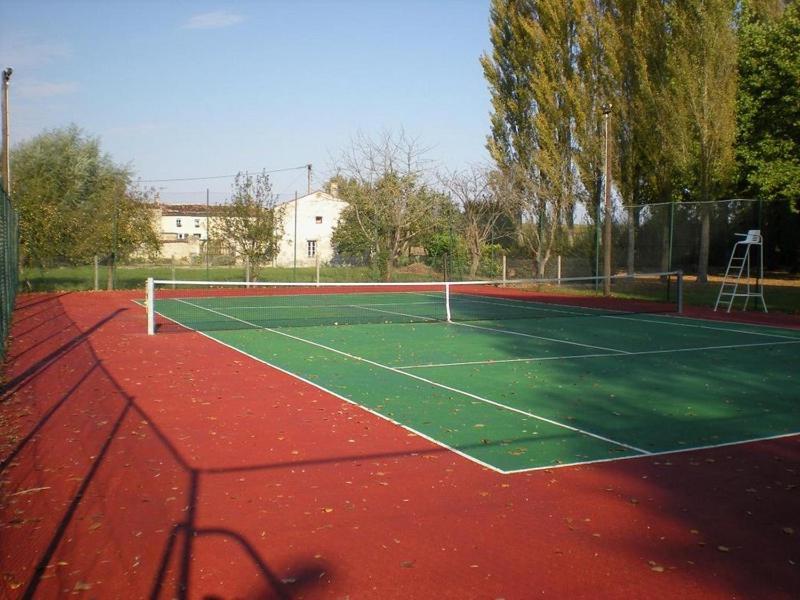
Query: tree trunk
474, 263
705, 237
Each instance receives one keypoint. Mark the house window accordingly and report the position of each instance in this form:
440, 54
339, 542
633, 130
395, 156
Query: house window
197, 222
312, 248
178, 223
318, 220
197, 235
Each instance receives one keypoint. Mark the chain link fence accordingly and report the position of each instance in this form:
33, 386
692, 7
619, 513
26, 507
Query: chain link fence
9, 246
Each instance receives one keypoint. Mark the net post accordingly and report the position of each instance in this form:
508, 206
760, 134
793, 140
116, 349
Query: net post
150, 305
679, 290
447, 301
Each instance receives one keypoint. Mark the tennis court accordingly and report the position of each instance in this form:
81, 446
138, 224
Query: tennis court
509, 380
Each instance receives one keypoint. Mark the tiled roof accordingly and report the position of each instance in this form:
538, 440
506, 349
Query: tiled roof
179, 210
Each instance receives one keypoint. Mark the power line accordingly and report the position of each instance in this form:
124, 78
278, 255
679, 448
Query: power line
215, 176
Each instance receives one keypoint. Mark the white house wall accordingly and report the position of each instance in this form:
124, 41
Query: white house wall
310, 209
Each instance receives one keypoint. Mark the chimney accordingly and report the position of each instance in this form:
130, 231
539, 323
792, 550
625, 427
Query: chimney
334, 189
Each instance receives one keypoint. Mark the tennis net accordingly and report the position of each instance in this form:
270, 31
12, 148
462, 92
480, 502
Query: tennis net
213, 306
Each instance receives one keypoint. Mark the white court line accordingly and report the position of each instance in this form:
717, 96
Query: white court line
429, 382
537, 337
313, 306
520, 304
343, 398
659, 453
571, 356
392, 312
461, 453
745, 331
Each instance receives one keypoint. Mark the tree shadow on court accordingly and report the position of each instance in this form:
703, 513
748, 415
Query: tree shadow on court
92, 490
725, 516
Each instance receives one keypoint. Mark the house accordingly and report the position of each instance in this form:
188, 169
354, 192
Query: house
307, 224
183, 230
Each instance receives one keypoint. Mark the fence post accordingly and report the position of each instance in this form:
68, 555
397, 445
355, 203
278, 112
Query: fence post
558, 269
316, 264
96, 273
504, 270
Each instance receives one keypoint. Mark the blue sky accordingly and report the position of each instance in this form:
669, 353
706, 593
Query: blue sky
188, 89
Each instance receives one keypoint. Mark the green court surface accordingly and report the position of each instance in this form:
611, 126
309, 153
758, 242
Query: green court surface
520, 385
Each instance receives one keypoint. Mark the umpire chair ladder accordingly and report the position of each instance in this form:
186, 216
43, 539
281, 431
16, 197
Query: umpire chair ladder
738, 267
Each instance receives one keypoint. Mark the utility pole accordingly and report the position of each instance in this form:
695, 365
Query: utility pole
208, 233
607, 202
6, 156
308, 166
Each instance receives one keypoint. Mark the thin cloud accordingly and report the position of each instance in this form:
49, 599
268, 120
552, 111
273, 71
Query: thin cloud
25, 51
213, 20
45, 89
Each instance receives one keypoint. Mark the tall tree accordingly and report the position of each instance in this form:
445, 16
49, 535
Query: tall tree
251, 223
768, 121
597, 70
768, 103
532, 81
704, 78
643, 103
75, 203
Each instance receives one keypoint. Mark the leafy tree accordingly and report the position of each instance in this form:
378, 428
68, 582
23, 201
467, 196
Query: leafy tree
597, 73
75, 203
531, 75
704, 78
251, 223
482, 209
768, 103
389, 204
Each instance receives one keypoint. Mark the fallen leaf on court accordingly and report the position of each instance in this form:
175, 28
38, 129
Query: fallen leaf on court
327, 510
82, 586
407, 564
94, 526
723, 549
788, 530
654, 566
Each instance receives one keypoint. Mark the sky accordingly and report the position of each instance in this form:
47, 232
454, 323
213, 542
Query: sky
203, 89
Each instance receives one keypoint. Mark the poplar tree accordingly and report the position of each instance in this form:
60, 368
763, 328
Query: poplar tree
533, 85
704, 77
597, 71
